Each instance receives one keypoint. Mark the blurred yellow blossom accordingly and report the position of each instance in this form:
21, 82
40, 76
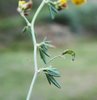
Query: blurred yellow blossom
79, 2
61, 4
62, 1
24, 6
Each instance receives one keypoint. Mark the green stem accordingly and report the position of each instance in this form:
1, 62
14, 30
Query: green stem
31, 86
37, 12
28, 23
55, 58
35, 49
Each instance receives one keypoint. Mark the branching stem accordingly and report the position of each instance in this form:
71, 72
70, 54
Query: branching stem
58, 56
35, 49
28, 23
44, 46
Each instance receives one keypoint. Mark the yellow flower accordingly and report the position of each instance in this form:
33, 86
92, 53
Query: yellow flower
21, 4
79, 2
61, 4
24, 5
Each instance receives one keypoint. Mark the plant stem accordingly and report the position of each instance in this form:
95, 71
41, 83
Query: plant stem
37, 12
31, 86
58, 56
28, 23
35, 49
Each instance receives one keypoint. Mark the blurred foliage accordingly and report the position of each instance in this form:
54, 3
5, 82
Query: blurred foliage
16, 66
78, 81
8, 8
77, 18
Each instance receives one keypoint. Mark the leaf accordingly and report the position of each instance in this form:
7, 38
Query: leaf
44, 47
45, 40
43, 50
51, 13
42, 56
52, 79
55, 71
52, 72
50, 45
70, 52
47, 43
45, 53
47, 76
25, 29
53, 8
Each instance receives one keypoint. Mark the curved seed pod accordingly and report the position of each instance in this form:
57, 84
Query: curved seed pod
70, 52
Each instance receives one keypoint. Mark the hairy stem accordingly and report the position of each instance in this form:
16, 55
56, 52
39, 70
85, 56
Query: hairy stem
37, 12
54, 58
31, 86
35, 49
28, 23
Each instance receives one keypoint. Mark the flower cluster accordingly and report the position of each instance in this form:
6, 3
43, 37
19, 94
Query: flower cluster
24, 6
55, 6
60, 4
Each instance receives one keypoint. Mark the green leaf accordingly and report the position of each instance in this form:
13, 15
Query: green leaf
70, 52
25, 29
45, 40
47, 76
52, 72
44, 47
55, 72
49, 45
42, 56
53, 8
52, 80
45, 53
43, 50
51, 13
